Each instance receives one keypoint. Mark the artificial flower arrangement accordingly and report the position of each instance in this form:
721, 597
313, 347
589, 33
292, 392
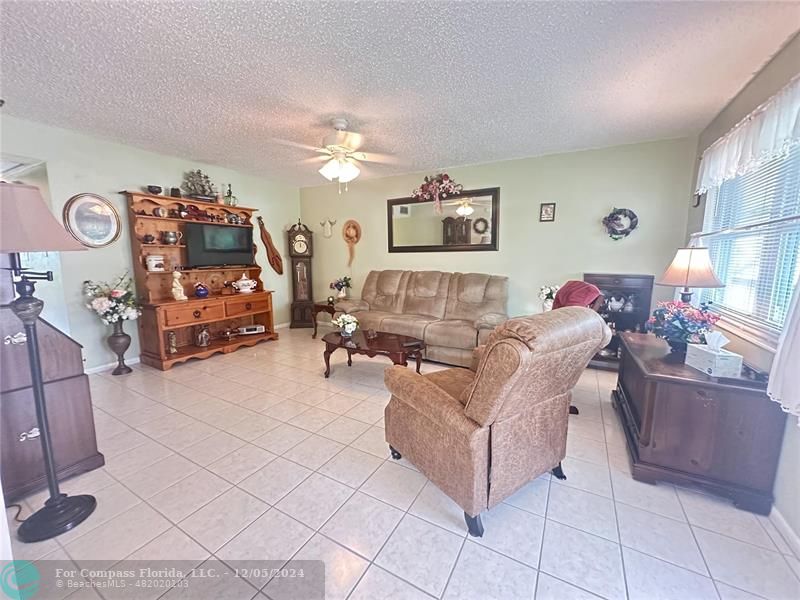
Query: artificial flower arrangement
341, 284
436, 188
548, 292
112, 303
681, 322
347, 324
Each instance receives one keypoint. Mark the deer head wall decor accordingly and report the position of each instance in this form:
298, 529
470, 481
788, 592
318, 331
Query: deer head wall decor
327, 227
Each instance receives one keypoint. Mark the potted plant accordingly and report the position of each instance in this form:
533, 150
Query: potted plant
341, 285
114, 304
347, 325
680, 323
547, 293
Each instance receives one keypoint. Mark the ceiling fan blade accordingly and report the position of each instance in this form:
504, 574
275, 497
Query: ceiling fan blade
386, 159
292, 144
315, 159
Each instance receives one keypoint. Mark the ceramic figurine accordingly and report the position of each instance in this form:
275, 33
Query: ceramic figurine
172, 343
203, 337
200, 290
177, 287
616, 302
629, 304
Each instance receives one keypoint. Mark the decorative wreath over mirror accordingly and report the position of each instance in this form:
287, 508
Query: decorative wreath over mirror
620, 222
480, 226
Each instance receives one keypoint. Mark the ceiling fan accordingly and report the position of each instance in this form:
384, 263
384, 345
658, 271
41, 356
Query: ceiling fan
340, 149
466, 206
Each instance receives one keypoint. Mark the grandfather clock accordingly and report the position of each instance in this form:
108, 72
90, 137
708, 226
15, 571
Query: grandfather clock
300, 251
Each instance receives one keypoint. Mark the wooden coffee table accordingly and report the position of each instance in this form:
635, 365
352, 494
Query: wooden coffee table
399, 348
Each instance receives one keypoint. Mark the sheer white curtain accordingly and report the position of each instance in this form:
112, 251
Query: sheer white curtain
784, 379
766, 133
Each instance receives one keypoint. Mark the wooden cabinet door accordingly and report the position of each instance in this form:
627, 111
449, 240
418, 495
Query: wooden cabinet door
728, 435
69, 412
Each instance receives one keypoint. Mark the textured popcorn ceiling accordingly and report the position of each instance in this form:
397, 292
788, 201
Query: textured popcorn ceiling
435, 84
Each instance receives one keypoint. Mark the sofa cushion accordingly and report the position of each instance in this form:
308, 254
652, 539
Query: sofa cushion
413, 325
426, 293
452, 334
452, 381
371, 319
472, 295
385, 290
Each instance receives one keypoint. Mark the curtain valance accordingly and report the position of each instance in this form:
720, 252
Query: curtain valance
766, 133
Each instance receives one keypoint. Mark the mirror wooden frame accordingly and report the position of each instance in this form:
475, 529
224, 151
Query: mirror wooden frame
494, 245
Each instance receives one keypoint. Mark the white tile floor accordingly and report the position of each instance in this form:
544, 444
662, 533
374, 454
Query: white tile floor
266, 459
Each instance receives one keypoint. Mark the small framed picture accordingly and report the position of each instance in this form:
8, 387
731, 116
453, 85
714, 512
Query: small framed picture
547, 212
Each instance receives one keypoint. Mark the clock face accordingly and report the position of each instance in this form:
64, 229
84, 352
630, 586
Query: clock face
300, 245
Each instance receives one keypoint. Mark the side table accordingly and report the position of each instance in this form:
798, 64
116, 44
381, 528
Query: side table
318, 308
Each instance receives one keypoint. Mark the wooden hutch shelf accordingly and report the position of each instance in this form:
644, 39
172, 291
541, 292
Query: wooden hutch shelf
162, 315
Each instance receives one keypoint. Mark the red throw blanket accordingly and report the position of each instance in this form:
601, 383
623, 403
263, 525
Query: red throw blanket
576, 293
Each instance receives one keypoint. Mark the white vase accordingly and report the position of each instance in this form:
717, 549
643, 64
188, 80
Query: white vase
342, 294
547, 305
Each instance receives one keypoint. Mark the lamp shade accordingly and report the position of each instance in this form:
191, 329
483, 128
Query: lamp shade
348, 171
691, 267
330, 170
27, 225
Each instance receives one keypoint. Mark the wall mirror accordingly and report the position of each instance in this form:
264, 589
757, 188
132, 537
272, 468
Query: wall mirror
468, 222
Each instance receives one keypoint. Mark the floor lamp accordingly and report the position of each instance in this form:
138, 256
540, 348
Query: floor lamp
27, 225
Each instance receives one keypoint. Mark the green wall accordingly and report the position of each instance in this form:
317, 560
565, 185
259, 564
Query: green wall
79, 163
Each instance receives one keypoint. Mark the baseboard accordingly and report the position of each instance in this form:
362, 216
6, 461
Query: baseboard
282, 325
789, 535
111, 365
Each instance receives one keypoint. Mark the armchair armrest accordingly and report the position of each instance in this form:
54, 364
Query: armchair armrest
490, 320
351, 305
429, 400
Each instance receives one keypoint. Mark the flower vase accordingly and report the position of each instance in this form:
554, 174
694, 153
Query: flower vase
119, 341
677, 350
342, 294
547, 305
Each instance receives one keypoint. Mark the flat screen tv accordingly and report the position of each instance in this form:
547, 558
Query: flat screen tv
210, 245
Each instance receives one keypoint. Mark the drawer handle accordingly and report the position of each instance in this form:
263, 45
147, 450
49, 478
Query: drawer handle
16, 339
197, 314
248, 306
29, 435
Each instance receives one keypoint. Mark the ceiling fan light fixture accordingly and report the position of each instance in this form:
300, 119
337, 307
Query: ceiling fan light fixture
465, 210
330, 170
348, 171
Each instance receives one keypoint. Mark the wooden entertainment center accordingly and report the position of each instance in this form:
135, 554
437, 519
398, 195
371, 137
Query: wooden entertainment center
221, 311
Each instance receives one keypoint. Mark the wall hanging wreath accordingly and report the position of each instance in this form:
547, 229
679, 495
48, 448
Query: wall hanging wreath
620, 222
436, 188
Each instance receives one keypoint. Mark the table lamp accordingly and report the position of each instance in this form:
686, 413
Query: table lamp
27, 225
690, 268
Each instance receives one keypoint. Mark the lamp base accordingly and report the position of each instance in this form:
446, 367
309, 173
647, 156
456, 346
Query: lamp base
686, 295
57, 516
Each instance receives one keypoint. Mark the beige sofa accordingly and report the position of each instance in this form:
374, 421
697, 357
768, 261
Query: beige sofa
451, 312
480, 434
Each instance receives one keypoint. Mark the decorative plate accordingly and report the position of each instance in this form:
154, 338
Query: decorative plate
92, 220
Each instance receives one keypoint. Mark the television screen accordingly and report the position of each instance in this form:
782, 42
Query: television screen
210, 245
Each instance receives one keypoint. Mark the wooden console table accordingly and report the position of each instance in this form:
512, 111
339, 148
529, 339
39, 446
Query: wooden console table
682, 426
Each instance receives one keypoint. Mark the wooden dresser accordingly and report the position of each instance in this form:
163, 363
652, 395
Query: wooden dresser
69, 408
682, 426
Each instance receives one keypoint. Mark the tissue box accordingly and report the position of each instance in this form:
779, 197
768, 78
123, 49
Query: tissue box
720, 363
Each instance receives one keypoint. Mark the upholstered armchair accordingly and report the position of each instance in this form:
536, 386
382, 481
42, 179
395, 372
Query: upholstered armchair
480, 434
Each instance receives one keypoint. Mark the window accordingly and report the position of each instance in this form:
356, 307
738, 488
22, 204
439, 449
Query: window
754, 242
